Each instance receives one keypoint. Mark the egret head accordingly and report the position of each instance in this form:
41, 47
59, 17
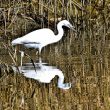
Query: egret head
65, 86
67, 24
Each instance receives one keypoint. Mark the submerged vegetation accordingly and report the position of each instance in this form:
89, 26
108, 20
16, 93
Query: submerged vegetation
84, 57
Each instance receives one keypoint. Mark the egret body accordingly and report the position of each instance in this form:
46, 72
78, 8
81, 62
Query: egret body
42, 37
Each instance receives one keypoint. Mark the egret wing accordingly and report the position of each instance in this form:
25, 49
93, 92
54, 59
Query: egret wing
38, 36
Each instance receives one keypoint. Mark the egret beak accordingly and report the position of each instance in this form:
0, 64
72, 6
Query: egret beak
72, 27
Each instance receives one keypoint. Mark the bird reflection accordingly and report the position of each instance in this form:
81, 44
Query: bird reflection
44, 73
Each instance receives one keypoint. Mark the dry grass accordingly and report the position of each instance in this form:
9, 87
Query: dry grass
84, 58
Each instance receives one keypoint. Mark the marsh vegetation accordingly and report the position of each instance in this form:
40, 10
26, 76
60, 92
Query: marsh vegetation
83, 57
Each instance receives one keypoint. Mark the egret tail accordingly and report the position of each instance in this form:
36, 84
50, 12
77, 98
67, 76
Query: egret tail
17, 41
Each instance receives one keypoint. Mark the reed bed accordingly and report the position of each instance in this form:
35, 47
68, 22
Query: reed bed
83, 57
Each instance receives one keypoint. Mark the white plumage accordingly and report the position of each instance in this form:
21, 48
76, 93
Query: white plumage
42, 37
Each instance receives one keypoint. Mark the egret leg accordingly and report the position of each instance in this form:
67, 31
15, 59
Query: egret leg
15, 55
37, 53
22, 55
40, 52
40, 60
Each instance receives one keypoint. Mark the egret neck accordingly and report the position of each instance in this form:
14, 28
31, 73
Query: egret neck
60, 33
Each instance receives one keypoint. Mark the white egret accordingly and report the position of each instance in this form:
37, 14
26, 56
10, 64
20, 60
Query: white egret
44, 74
42, 37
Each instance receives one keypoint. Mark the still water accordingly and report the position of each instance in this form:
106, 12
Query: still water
86, 79
43, 73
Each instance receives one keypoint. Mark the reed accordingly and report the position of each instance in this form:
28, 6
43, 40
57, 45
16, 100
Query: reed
83, 57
